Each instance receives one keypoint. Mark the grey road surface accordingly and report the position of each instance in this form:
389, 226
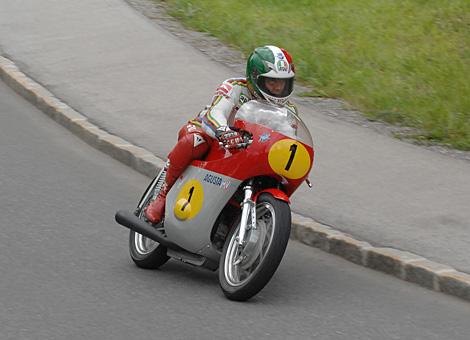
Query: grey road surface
66, 273
133, 78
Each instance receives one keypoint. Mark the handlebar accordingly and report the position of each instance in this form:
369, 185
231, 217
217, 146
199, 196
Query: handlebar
247, 140
243, 145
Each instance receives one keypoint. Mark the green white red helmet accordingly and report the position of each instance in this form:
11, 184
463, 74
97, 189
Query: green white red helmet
270, 63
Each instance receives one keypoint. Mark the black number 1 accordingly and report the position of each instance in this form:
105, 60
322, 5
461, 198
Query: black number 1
189, 198
292, 149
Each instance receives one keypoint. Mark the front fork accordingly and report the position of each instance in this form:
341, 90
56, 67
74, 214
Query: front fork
248, 208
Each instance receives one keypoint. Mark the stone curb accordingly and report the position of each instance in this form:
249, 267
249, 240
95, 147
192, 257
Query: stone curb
136, 157
401, 264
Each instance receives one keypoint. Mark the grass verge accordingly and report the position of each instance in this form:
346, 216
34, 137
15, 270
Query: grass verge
405, 62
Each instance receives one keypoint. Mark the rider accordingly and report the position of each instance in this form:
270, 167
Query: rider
269, 76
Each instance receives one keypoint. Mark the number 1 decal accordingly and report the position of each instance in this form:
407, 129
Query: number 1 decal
292, 149
289, 158
189, 200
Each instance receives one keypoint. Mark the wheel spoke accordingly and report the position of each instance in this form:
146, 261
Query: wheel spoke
236, 272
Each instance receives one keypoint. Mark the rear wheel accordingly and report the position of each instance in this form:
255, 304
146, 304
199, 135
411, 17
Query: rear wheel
145, 252
244, 272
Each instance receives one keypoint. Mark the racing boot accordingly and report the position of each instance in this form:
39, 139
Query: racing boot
156, 209
191, 145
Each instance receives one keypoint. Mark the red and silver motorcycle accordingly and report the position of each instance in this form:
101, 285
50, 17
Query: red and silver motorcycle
231, 210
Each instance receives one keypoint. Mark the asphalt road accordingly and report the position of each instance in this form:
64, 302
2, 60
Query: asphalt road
66, 274
132, 78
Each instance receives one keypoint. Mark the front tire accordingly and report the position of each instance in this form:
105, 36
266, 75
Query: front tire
145, 252
242, 276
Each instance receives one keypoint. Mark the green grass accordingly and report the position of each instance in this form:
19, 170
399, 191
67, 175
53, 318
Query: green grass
405, 62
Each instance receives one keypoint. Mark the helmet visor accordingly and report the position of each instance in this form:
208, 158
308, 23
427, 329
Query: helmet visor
276, 87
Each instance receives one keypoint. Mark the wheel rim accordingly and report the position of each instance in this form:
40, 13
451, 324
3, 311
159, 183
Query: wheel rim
144, 245
240, 267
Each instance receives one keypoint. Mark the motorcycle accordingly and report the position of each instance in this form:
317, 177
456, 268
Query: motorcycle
231, 210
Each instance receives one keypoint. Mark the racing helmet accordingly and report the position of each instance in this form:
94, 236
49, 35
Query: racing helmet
270, 74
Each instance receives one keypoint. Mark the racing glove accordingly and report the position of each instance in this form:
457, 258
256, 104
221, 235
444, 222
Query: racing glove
229, 138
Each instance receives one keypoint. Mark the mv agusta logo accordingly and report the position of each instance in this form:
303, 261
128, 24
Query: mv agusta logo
282, 65
218, 181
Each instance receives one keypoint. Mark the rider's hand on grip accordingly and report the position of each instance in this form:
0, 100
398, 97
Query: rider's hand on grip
230, 139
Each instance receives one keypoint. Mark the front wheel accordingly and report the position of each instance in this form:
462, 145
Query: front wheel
244, 272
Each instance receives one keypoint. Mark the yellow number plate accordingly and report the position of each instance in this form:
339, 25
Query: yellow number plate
289, 158
189, 200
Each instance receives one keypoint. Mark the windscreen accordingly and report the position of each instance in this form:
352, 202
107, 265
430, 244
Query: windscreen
277, 118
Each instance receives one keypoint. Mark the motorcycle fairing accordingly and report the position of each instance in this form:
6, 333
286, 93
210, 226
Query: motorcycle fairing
210, 183
189, 224
254, 161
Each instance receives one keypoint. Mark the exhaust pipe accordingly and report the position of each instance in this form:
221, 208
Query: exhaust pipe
129, 220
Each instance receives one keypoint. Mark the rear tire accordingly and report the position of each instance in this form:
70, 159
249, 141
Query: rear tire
261, 255
145, 252
144, 255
